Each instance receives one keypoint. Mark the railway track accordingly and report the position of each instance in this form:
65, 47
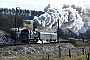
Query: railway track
5, 45
74, 42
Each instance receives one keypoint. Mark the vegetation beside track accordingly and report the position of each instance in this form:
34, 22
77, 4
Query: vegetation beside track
81, 57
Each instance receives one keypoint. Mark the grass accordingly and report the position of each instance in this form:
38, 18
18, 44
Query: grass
81, 57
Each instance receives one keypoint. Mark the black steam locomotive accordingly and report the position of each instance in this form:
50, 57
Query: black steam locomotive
26, 36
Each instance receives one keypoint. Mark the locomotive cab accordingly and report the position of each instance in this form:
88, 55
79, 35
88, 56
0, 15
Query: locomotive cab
24, 36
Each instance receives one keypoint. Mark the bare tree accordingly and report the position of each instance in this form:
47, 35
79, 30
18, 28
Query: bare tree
65, 6
73, 6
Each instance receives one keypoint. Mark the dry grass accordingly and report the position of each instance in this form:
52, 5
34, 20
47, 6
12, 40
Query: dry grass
81, 57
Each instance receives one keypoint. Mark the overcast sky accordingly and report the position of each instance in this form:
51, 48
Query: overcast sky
40, 4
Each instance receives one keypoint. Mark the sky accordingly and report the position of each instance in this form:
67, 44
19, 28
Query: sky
40, 4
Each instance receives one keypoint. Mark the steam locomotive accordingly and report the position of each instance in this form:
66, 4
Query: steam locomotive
27, 36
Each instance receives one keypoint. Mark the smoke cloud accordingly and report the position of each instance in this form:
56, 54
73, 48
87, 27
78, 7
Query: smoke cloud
68, 19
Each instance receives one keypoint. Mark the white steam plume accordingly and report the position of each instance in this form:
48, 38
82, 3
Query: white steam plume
68, 18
